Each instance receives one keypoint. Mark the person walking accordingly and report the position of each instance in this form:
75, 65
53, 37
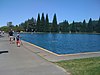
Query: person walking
0, 32
11, 36
18, 41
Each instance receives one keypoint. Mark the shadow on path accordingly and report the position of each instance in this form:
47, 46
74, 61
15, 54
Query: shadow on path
3, 52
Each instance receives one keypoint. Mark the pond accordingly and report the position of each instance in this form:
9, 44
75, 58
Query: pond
64, 43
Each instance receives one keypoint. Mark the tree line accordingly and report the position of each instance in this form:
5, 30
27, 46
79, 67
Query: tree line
42, 24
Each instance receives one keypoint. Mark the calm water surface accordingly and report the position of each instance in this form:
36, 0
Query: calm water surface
65, 43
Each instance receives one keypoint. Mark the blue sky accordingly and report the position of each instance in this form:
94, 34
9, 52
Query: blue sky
18, 11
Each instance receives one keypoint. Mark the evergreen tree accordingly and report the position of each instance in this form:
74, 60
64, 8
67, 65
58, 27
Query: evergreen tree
90, 26
78, 27
84, 26
32, 24
98, 26
73, 27
47, 29
29, 24
26, 26
38, 24
54, 27
42, 25
22, 26
64, 27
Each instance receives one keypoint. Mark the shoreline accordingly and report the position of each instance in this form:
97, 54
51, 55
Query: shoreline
53, 57
61, 32
71, 54
66, 54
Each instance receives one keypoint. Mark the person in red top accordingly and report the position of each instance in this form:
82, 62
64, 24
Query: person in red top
18, 40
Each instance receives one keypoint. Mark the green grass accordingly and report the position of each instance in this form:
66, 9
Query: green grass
87, 66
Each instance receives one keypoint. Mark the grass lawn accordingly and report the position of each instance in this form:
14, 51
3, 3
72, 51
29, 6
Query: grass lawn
87, 66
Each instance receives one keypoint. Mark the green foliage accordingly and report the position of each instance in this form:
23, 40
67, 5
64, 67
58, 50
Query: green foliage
38, 24
97, 28
54, 27
28, 25
31, 25
4, 28
47, 26
42, 24
64, 26
73, 27
90, 26
84, 26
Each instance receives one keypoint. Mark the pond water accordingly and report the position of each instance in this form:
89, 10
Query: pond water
64, 43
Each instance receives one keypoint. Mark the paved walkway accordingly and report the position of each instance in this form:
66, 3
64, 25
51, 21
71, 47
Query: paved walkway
21, 61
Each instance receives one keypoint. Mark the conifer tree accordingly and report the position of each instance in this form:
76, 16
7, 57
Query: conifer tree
32, 23
38, 23
42, 25
84, 26
65, 26
47, 29
98, 26
54, 27
73, 27
90, 26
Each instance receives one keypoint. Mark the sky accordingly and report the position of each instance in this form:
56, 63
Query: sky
17, 11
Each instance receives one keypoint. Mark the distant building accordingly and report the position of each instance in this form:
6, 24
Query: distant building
9, 24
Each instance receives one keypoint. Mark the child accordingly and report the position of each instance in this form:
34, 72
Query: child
18, 40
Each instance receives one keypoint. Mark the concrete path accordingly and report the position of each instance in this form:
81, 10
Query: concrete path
22, 61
